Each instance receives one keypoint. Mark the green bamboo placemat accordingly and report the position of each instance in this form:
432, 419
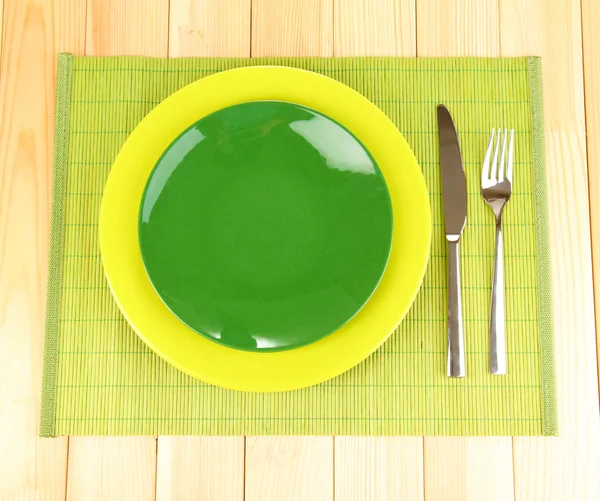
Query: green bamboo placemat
99, 378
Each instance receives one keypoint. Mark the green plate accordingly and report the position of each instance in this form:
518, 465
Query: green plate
265, 226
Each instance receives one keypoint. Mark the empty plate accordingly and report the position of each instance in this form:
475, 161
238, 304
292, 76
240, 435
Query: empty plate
265, 226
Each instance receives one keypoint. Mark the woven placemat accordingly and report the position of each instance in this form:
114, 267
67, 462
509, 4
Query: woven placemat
99, 378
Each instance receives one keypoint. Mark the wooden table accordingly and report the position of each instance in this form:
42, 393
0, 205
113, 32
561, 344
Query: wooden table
565, 32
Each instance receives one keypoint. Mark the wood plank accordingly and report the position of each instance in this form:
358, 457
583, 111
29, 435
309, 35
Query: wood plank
590, 14
1, 30
567, 467
206, 468
458, 28
124, 28
367, 28
69, 29
386, 468
471, 469
112, 468
290, 468
123, 467
30, 467
463, 468
209, 28
299, 28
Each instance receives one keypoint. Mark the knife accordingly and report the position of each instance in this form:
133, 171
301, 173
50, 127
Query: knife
454, 188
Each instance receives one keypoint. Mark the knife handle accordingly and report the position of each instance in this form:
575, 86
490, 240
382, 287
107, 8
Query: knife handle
456, 340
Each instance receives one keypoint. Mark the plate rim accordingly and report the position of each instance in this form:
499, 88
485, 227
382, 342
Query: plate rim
283, 370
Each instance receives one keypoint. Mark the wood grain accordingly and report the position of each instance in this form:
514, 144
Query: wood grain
127, 28
208, 28
30, 467
378, 468
1, 30
457, 468
567, 467
111, 468
470, 469
367, 28
298, 28
458, 28
590, 15
69, 29
290, 468
206, 468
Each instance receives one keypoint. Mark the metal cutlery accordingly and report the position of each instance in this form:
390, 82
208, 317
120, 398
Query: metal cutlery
454, 188
496, 188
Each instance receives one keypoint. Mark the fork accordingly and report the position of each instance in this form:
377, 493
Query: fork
496, 188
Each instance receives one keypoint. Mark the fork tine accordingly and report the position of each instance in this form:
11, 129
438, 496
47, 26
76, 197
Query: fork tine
494, 173
485, 171
511, 151
502, 157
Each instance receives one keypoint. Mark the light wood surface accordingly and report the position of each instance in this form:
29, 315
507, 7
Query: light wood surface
292, 28
1, 26
311, 468
386, 468
30, 467
561, 468
127, 27
112, 468
367, 28
209, 28
472, 469
590, 15
290, 468
204, 468
458, 28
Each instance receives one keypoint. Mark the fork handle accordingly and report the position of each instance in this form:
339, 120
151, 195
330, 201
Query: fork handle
456, 340
497, 326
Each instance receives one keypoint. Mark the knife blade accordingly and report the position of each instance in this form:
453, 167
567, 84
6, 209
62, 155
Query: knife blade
454, 189
454, 184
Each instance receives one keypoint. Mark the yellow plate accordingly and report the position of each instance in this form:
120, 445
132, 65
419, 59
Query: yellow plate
285, 370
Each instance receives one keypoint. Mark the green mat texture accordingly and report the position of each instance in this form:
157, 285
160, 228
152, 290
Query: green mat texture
100, 379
